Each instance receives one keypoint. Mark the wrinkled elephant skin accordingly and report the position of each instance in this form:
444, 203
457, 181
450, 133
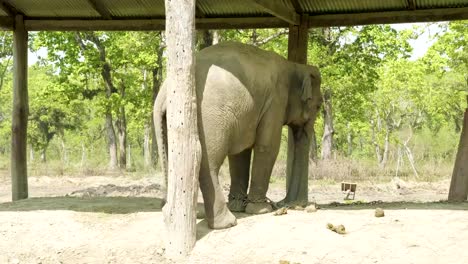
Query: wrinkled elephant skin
245, 96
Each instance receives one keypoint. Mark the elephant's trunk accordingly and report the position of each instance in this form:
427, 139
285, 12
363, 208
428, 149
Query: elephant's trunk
297, 171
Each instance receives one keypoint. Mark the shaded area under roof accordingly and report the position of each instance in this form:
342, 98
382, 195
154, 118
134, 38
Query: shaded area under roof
215, 14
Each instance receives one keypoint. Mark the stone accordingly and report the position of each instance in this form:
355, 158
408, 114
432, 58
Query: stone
311, 208
281, 211
339, 229
379, 212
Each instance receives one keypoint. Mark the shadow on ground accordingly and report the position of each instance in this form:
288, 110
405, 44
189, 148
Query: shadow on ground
440, 205
109, 205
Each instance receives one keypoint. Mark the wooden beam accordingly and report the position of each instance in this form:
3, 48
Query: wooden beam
184, 151
100, 8
411, 5
94, 25
241, 23
297, 41
6, 23
150, 24
297, 6
426, 15
278, 10
19, 171
297, 168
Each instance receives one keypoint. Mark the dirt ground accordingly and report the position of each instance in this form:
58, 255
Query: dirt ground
119, 220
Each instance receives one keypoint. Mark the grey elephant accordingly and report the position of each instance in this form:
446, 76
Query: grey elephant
245, 95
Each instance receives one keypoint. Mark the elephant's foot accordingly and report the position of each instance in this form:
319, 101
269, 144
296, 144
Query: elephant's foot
223, 220
237, 203
258, 208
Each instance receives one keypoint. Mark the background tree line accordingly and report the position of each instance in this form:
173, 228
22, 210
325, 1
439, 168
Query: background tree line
91, 97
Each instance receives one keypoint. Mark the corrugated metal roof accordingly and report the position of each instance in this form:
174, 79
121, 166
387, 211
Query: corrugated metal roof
47, 11
55, 8
350, 6
135, 8
423, 4
226, 8
213, 8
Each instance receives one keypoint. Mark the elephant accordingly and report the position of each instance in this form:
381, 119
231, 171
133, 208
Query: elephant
245, 95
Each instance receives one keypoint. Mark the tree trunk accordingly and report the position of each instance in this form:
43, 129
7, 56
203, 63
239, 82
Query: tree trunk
376, 144
121, 125
83, 155
459, 184
129, 157
19, 124
122, 128
384, 158
313, 148
110, 89
399, 158
216, 37
206, 39
327, 140
44, 155
147, 145
111, 142
349, 138
410, 154
183, 141
31, 153
64, 151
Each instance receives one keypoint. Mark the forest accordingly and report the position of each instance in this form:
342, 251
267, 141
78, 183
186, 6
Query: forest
385, 112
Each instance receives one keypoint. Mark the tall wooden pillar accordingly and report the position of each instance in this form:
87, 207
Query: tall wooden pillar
297, 176
184, 147
19, 171
459, 184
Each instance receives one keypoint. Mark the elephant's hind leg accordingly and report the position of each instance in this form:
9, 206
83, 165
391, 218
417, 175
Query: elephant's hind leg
239, 168
216, 211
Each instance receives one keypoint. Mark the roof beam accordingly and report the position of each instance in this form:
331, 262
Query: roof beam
393, 17
279, 10
427, 15
8, 8
150, 24
410, 4
100, 8
297, 6
6, 23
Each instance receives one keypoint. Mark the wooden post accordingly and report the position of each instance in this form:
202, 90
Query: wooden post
19, 170
183, 142
459, 184
297, 178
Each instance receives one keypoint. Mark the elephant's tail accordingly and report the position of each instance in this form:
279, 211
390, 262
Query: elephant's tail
160, 123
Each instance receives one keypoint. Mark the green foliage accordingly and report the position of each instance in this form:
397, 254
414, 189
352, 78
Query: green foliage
377, 91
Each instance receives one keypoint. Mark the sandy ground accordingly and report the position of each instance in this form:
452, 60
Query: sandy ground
119, 220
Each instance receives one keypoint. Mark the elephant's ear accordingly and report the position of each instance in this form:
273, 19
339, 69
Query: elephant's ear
307, 87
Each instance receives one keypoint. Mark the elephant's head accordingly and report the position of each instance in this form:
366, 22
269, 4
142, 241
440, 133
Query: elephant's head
304, 102
305, 97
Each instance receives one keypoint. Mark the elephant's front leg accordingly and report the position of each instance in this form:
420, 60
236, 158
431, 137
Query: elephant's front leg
265, 152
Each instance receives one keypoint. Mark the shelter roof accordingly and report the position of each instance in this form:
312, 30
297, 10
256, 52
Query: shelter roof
217, 14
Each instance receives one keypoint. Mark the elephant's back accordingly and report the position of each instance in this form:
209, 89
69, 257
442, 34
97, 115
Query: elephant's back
226, 52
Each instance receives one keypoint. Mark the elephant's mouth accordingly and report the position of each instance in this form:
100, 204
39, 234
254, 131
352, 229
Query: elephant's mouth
299, 132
